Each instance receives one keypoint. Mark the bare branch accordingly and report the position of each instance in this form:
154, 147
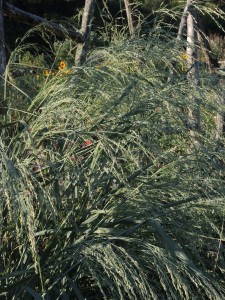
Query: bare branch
31, 19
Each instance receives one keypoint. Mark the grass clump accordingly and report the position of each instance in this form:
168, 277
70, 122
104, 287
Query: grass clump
103, 195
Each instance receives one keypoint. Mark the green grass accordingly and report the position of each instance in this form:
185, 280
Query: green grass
103, 195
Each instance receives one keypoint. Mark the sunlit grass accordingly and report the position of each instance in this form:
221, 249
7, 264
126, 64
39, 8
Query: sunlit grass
102, 194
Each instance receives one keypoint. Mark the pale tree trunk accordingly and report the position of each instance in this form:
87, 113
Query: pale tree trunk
220, 117
219, 123
181, 32
183, 21
129, 18
82, 48
193, 77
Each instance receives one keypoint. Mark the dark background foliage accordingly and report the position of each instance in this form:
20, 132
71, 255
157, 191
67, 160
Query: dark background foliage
59, 10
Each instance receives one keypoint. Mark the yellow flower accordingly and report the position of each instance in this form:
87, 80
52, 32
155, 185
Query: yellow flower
46, 72
53, 73
37, 77
62, 65
185, 56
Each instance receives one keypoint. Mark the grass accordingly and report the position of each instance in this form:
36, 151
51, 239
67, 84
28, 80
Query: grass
103, 196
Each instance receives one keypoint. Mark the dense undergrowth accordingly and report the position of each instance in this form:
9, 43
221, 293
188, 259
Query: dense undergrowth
103, 194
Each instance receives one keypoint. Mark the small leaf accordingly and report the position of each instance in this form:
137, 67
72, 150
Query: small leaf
103, 230
95, 214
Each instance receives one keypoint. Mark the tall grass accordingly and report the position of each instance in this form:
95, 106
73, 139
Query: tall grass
103, 196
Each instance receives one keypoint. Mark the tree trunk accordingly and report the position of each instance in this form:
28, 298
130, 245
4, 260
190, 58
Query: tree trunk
82, 48
219, 124
193, 76
129, 18
183, 20
220, 117
31, 19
